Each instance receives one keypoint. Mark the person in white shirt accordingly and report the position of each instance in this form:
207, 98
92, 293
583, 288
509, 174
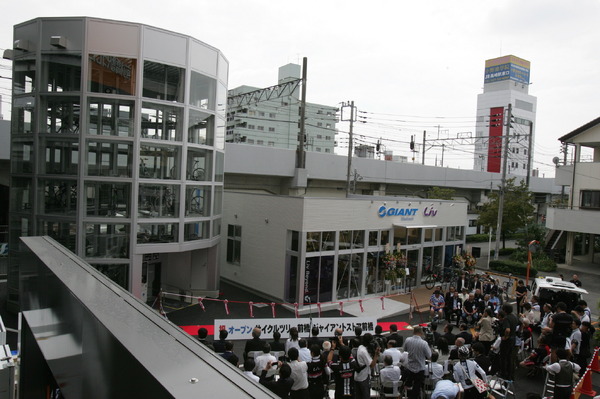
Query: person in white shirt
563, 374
304, 351
545, 323
392, 351
362, 377
465, 371
445, 389
434, 370
390, 373
262, 360
248, 367
299, 375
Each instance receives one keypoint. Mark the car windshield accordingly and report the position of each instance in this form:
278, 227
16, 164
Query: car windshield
555, 296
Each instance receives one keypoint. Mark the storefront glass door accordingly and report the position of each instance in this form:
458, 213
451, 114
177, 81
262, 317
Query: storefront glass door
318, 279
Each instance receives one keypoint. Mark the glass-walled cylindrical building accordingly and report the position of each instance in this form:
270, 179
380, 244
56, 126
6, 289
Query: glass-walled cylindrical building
117, 150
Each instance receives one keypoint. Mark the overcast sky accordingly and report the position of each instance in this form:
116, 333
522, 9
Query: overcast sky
408, 66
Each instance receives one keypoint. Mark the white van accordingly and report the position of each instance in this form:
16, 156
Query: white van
554, 290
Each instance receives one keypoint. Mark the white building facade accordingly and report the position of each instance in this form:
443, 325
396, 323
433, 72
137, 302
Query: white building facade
117, 150
275, 122
322, 250
577, 222
506, 81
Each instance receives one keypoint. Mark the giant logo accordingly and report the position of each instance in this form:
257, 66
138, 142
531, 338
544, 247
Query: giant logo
383, 211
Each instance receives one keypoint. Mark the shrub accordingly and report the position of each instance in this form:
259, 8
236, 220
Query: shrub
507, 251
509, 266
479, 238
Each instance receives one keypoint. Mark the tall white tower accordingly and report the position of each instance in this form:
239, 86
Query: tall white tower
506, 81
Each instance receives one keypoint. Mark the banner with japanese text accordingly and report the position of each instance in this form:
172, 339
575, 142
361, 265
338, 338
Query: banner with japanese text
242, 328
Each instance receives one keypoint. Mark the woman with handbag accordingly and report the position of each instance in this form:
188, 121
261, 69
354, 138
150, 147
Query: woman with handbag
470, 375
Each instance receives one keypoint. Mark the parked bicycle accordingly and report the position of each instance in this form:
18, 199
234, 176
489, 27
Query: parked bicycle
440, 276
198, 173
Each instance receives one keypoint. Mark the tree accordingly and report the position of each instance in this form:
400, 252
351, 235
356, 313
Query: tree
518, 209
440, 193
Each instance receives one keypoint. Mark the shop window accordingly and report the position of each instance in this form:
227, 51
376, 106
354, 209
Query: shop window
157, 200
106, 240
199, 165
111, 159
358, 239
21, 157
60, 156
234, 243
58, 196
112, 75
294, 240
373, 236
157, 233
201, 128
345, 239
202, 91
400, 236
590, 199
110, 117
197, 201
291, 281
196, 231
63, 232
162, 122
216, 231
22, 118
219, 166
24, 75
414, 236
163, 82
218, 201
159, 162
108, 199
61, 115
62, 72
20, 194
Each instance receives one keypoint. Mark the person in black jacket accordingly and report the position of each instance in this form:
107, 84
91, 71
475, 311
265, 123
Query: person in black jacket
283, 385
395, 336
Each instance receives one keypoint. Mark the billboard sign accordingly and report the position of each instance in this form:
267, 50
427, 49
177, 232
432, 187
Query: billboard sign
505, 68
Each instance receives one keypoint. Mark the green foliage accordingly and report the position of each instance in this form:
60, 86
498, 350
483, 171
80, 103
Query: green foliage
440, 193
532, 232
480, 238
507, 251
544, 264
518, 208
509, 266
541, 261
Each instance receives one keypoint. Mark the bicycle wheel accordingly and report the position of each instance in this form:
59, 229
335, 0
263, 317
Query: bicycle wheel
198, 174
430, 281
196, 205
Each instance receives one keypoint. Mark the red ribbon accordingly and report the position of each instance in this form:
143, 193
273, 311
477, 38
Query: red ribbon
361, 306
226, 306
296, 308
273, 308
319, 307
250, 305
341, 308
382, 306
201, 304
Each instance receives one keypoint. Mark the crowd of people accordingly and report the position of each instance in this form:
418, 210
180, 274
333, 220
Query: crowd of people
481, 336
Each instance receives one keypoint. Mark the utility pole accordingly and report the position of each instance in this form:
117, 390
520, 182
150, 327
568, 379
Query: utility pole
443, 148
301, 154
350, 142
503, 182
529, 153
424, 137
